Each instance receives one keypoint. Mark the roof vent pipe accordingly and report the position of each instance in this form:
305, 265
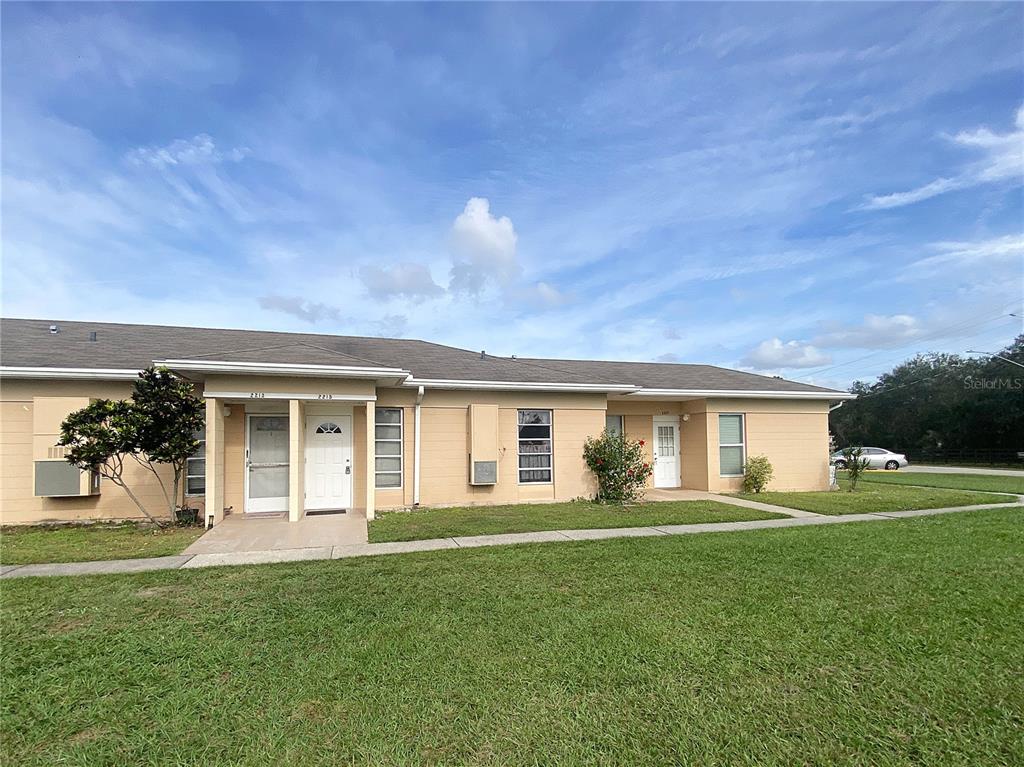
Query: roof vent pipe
92, 335
54, 330
483, 355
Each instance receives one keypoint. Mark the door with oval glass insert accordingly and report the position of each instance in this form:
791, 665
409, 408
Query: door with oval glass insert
328, 462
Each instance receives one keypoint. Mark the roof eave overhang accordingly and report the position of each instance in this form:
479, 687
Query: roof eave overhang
95, 374
382, 375
549, 386
738, 394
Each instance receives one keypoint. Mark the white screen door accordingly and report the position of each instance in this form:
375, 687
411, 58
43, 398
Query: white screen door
666, 452
328, 462
267, 462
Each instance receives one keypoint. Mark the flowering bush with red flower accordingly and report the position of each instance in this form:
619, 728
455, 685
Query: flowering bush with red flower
620, 466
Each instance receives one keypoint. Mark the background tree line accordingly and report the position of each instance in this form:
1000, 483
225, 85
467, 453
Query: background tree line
939, 402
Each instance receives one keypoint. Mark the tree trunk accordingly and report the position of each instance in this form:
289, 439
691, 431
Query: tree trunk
120, 483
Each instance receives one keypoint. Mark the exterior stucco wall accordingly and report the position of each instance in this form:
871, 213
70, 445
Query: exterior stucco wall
445, 447
793, 434
18, 503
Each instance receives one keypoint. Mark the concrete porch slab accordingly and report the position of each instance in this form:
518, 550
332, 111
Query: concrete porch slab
239, 533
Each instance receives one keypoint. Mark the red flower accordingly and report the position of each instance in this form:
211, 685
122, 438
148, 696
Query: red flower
647, 466
642, 443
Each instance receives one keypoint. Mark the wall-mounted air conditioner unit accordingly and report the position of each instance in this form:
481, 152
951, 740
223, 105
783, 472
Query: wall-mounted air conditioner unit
54, 477
59, 479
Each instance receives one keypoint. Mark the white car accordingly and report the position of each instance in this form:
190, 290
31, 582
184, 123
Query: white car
877, 459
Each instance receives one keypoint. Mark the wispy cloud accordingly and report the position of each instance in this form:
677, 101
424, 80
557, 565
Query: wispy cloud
307, 311
876, 330
1003, 158
199, 150
407, 280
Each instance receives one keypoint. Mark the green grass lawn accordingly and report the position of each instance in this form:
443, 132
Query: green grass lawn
895, 643
871, 497
992, 482
523, 518
88, 543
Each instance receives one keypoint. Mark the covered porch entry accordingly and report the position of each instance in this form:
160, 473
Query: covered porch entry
290, 456
289, 448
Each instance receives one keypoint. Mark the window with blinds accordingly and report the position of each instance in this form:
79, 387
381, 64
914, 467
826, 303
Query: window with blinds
388, 447
731, 446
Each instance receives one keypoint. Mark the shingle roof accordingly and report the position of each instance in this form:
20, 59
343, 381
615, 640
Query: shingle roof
29, 343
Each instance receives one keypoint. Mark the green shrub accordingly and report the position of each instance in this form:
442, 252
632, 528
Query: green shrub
757, 473
619, 465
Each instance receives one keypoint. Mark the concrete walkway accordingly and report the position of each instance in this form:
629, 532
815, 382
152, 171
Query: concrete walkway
186, 561
678, 494
965, 470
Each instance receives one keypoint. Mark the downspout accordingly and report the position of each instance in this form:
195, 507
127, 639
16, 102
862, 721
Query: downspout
416, 449
836, 407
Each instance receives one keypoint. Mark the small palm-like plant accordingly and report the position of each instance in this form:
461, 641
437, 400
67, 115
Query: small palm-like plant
856, 465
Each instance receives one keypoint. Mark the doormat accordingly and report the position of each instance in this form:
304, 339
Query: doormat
321, 512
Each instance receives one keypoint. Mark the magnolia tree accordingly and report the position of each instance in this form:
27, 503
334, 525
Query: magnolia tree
620, 466
155, 427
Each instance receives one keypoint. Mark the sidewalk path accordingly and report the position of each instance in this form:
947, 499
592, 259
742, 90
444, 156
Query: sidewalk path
374, 549
964, 470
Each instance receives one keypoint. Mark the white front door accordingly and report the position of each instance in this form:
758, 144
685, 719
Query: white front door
266, 459
666, 452
329, 462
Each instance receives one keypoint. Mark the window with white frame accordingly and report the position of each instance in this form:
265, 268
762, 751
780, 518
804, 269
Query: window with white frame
613, 425
534, 446
195, 467
731, 446
388, 447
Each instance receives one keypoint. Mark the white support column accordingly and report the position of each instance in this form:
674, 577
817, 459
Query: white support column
214, 461
296, 460
371, 462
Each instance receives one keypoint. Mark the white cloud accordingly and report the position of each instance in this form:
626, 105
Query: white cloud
971, 253
198, 150
899, 199
391, 325
540, 294
774, 354
484, 248
1003, 159
409, 280
668, 357
877, 330
296, 306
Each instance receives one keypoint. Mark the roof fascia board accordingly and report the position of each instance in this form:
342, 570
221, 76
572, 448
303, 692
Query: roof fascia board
445, 383
740, 394
102, 374
284, 368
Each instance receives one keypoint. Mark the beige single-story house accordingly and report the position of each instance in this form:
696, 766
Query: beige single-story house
301, 422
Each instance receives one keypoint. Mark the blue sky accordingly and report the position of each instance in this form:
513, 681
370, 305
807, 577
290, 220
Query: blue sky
816, 191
